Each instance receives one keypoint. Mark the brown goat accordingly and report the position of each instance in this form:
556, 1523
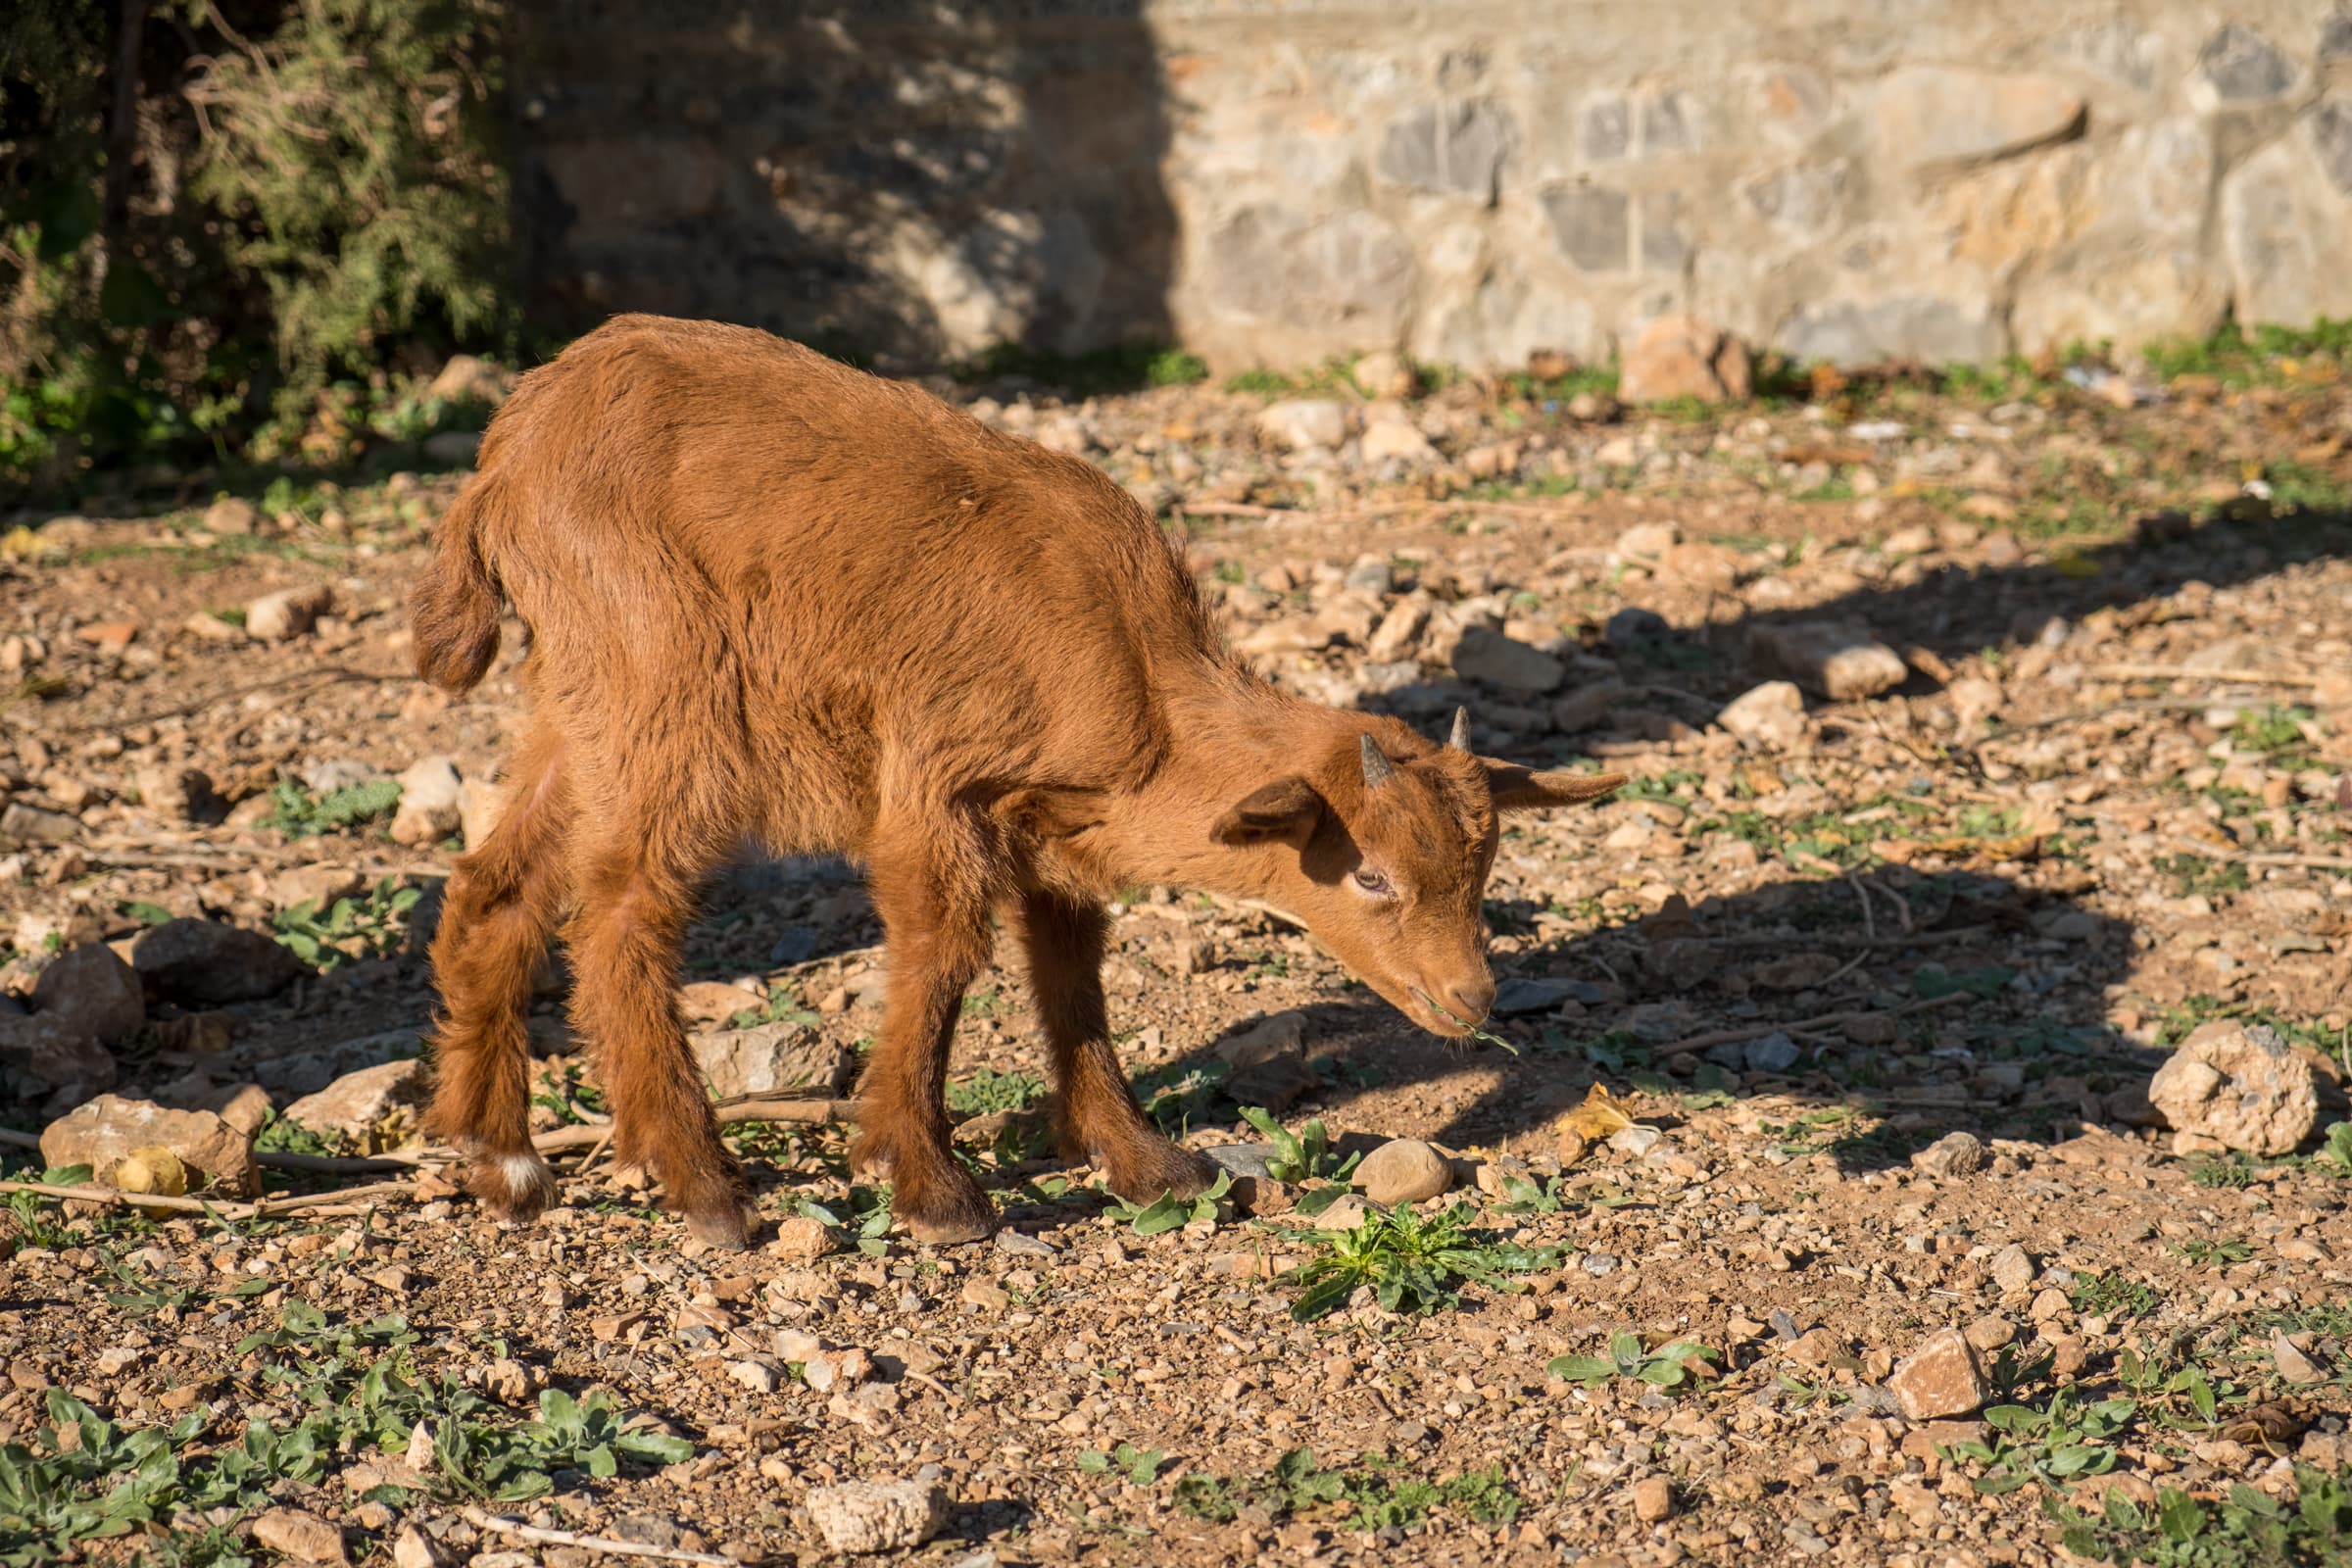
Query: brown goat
772, 600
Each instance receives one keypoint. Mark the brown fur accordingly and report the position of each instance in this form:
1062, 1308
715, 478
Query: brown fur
772, 600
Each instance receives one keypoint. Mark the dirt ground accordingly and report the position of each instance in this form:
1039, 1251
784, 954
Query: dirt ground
2105, 805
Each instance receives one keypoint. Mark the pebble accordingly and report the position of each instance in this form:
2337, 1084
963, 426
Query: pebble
210, 962
1770, 718
1021, 1244
859, 1517
2012, 1269
1403, 1170
288, 612
304, 1536
1939, 1379
1653, 1499
1839, 659
2240, 1085
801, 1239
1953, 1155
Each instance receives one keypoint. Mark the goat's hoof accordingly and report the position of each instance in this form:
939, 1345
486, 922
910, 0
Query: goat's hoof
514, 1187
950, 1229
1166, 1169
728, 1227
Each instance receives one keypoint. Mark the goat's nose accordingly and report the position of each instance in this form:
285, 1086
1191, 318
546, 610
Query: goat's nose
1472, 1002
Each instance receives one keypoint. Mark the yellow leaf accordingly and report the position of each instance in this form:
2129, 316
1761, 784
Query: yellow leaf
19, 543
1599, 1116
156, 1170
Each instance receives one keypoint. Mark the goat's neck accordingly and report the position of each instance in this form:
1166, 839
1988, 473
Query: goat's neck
1225, 741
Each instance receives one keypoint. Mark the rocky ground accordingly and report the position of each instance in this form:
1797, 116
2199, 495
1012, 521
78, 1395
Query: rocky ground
1811, 1197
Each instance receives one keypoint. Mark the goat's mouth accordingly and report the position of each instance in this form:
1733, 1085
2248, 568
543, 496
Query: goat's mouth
1426, 1011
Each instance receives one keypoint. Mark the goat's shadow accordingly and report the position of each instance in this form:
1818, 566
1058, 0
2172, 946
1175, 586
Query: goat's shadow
1987, 1014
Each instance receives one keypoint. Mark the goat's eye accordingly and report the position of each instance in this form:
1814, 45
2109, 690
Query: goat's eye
1372, 882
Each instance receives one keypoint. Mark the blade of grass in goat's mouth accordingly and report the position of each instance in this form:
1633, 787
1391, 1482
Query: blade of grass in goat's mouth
1475, 1032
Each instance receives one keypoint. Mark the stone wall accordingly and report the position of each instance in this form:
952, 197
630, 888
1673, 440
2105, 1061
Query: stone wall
1273, 180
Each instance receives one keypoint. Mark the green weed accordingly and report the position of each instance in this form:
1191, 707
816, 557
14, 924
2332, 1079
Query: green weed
2057, 1442
1141, 1466
1301, 1157
1167, 1211
1372, 1494
1669, 1366
986, 1090
298, 814
370, 927
1411, 1264
2246, 1529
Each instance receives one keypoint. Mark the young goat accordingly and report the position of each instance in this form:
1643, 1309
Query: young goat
774, 600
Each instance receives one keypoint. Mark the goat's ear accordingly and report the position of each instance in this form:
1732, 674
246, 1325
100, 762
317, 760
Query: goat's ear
1522, 789
1286, 809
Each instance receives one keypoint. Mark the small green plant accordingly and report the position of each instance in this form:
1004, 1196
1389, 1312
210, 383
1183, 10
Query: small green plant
2209, 1254
783, 1006
1670, 1366
867, 1223
1373, 1494
2335, 1151
2111, 1295
1302, 1157
1167, 1211
988, 1090
2273, 730
29, 1214
2229, 1173
369, 927
1177, 1095
299, 814
1141, 1466
2055, 1443
1411, 1264
571, 1099
2247, 1529
1522, 1195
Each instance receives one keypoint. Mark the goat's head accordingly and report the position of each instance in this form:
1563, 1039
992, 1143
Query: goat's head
1384, 844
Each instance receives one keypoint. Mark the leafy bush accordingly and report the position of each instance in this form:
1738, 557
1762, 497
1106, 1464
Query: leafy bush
293, 195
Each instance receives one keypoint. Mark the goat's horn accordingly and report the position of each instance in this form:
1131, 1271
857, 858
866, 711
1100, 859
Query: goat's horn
1378, 769
1459, 739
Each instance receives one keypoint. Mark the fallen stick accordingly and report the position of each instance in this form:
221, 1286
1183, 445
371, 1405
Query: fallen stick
2225, 677
802, 1110
1726, 1037
598, 1544
225, 1209
2216, 852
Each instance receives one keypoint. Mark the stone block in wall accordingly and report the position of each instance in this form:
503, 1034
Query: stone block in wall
1592, 226
2285, 213
1352, 269
1454, 149
2239, 65
1928, 114
1932, 328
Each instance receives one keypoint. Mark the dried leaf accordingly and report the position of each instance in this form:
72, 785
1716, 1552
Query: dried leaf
2269, 1426
1599, 1115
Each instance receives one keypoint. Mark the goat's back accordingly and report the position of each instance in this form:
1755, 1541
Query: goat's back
684, 511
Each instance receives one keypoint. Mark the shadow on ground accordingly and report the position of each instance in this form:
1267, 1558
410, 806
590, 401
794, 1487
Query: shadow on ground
1987, 1014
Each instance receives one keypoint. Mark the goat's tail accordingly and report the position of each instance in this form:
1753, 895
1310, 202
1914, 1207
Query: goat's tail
453, 613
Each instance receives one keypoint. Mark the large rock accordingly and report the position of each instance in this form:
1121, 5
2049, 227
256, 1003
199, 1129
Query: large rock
50, 1064
431, 802
1838, 659
1766, 718
91, 989
310, 1071
1684, 357
104, 1131
772, 1058
1928, 114
1504, 662
208, 963
1403, 1170
858, 1517
1268, 1059
1940, 1379
374, 1109
2240, 1084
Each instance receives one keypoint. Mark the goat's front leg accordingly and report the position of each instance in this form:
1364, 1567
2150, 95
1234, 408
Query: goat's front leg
625, 948
937, 939
1095, 1112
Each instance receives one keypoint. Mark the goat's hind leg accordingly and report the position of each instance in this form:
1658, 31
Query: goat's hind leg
502, 903
1095, 1112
